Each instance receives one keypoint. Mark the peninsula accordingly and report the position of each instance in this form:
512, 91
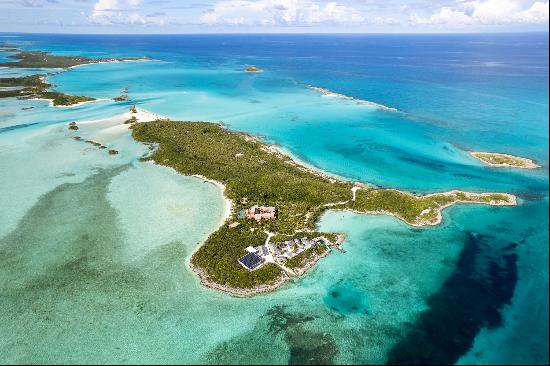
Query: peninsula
270, 234
499, 160
36, 87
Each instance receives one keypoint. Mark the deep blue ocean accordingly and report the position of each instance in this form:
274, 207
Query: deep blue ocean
472, 290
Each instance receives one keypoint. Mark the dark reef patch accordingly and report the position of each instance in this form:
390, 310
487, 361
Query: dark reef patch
471, 298
426, 163
467, 176
307, 347
291, 336
66, 282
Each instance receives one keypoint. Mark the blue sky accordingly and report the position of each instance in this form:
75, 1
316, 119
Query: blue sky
268, 16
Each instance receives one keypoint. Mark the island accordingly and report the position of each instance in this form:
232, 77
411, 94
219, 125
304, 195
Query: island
270, 234
253, 69
35, 86
499, 160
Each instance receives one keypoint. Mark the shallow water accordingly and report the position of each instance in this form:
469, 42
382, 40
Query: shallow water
94, 248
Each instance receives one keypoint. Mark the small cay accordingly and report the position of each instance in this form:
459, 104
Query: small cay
253, 69
499, 160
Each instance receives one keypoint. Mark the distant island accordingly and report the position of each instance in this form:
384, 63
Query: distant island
36, 86
253, 69
499, 160
270, 233
41, 59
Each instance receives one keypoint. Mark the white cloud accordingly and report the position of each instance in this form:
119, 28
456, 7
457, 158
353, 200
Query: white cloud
111, 12
280, 12
488, 12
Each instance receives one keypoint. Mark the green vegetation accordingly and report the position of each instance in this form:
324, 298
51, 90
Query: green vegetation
34, 86
209, 150
308, 235
63, 99
301, 259
416, 209
497, 159
225, 246
331, 236
407, 206
248, 169
40, 59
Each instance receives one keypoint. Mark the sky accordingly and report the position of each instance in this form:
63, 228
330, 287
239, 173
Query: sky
272, 16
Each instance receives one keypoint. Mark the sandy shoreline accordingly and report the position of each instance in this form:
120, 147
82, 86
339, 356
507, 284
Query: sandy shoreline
239, 292
228, 202
141, 115
330, 93
50, 102
110, 61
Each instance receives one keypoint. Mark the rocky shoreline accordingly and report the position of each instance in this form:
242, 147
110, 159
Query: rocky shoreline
238, 292
511, 201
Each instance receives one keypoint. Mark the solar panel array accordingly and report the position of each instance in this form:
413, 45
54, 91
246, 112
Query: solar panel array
251, 261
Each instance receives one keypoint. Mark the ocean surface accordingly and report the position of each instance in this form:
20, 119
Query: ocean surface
94, 249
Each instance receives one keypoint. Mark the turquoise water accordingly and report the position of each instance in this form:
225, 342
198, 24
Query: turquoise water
94, 248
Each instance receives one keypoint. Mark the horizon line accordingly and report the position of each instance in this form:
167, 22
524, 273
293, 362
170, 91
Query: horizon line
546, 31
